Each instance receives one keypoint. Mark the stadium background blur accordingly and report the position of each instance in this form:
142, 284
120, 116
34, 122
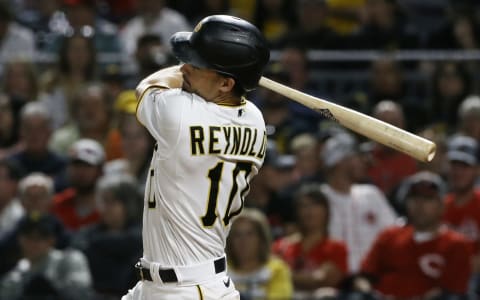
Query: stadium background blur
67, 73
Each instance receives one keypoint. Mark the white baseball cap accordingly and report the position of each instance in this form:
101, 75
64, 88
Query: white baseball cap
337, 148
464, 149
88, 151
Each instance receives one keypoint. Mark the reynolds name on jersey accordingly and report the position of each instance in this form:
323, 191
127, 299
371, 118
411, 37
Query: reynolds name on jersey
227, 140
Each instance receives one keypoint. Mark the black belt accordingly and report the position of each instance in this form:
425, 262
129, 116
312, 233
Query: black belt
169, 275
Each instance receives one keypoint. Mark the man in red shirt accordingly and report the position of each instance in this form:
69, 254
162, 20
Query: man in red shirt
421, 259
76, 206
462, 204
388, 166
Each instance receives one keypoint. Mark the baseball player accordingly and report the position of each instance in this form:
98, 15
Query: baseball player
211, 141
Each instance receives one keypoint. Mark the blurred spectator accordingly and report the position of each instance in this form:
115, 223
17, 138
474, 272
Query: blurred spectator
45, 18
16, 41
384, 28
389, 167
312, 31
462, 204
9, 140
281, 125
358, 211
137, 143
76, 205
439, 164
45, 272
151, 54
35, 132
10, 208
21, 83
257, 274
431, 261
114, 77
295, 63
386, 81
194, 11
245, 9
119, 11
344, 16
426, 16
317, 261
83, 19
469, 117
268, 191
76, 66
35, 193
306, 149
274, 18
461, 32
451, 85
155, 18
92, 119
114, 244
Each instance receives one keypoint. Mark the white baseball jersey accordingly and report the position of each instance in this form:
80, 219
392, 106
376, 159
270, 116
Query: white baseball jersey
357, 218
205, 156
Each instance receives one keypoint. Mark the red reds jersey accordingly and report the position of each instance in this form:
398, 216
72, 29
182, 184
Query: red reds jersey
407, 268
64, 209
464, 218
290, 249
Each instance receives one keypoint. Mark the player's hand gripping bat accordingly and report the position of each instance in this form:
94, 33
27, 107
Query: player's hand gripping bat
379, 131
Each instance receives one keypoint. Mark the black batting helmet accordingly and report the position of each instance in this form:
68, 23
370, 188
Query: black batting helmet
226, 44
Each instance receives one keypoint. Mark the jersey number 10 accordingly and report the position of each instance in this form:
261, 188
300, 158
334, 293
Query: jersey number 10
215, 175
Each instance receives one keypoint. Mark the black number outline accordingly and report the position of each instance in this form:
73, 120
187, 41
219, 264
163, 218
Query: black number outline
215, 174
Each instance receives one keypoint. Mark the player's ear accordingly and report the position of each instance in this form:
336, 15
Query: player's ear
227, 84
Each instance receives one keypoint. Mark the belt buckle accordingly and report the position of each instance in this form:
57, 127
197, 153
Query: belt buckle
138, 266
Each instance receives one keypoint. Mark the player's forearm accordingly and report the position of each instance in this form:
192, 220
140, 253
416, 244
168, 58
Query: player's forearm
168, 78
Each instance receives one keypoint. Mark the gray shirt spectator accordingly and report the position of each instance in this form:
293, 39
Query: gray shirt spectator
44, 271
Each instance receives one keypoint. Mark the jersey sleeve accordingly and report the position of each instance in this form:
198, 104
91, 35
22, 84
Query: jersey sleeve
340, 257
372, 262
161, 111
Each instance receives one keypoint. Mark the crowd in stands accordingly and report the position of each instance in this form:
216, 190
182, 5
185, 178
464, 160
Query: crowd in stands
330, 215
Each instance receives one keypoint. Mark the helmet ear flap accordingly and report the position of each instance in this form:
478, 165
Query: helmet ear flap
231, 46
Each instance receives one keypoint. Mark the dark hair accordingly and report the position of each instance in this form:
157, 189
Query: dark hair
63, 63
14, 170
287, 11
449, 113
314, 192
125, 190
148, 39
36, 223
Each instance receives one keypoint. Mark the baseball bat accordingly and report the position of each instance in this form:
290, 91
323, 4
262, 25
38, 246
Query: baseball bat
374, 129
